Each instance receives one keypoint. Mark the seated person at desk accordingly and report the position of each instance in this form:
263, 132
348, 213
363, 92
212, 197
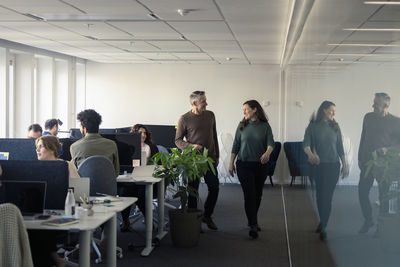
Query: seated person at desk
34, 131
92, 143
134, 190
48, 148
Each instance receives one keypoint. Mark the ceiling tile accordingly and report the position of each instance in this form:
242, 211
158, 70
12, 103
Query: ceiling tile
205, 31
147, 30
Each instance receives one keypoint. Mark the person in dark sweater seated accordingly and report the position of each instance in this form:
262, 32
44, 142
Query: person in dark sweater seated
134, 190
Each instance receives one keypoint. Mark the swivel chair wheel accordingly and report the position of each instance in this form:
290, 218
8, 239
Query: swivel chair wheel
97, 261
120, 256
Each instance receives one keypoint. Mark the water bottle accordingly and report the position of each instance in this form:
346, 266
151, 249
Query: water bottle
70, 203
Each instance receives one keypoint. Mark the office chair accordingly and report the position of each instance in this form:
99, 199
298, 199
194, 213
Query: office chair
15, 250
102, 176
272, 161
298, 162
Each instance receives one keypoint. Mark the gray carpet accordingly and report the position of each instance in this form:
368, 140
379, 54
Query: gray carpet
231, 246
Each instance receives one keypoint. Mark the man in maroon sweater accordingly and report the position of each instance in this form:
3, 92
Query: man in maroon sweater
198, 128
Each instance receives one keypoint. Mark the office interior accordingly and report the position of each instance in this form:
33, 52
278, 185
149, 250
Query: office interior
138, 62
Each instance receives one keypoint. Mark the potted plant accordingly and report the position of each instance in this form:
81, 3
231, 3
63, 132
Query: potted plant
386, 167
179, 169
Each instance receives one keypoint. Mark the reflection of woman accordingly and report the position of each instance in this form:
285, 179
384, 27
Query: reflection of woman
323, 145
48, 148
252, 145
135, 190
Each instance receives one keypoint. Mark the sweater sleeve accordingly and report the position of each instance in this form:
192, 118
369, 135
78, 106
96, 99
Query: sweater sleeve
339, 144
236, 141
215, 138
307, 137
269, 136
180, 134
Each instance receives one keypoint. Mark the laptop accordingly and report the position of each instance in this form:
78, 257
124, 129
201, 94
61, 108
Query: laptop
28, 196
143, 171
81, 187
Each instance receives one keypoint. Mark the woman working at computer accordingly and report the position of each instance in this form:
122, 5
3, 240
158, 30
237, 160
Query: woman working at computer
135, 190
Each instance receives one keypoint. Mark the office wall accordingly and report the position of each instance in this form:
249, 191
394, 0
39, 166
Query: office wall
351, 88
159, 94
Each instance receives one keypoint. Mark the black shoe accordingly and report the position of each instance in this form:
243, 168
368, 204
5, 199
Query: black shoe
253, 233
210, 223
258, 227
365, 227
322, 235
319, 228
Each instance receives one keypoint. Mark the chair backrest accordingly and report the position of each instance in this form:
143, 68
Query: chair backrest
19, 148
297, 158
102, 176
273, 158
15, 250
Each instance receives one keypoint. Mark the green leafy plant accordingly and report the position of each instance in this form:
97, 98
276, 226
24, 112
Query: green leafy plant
180, 168
386, 168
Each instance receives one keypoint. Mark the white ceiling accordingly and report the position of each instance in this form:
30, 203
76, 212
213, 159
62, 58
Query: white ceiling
213, 31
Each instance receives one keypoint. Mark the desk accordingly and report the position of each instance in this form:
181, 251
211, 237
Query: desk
148, 182
86, 225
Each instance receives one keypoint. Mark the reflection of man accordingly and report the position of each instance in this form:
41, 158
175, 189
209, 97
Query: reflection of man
92, 143
380, 131
199, 128
34, 131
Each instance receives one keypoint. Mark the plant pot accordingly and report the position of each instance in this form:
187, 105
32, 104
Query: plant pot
185, 227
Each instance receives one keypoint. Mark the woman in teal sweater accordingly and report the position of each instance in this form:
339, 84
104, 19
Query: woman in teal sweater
323, 145
253, 145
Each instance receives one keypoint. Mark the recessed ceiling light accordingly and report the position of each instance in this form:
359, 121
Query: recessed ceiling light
382, 2
373, 29
228, 59
368, 45
183, 12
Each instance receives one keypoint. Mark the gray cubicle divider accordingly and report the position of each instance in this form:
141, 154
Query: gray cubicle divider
54, 173
19, 148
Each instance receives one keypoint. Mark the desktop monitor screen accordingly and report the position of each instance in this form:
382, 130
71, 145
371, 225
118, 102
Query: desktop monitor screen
129, 148
28, 196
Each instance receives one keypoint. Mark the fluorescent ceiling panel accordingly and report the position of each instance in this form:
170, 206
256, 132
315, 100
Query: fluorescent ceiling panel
39, 6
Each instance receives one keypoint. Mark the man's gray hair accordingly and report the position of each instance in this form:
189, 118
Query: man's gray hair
195, 96
384, 97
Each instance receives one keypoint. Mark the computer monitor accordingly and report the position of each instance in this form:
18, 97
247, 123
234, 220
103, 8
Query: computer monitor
163, 135
28, 196
129, 148
66, 145
53, 172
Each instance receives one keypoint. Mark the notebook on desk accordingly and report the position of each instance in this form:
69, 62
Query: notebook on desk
28, 196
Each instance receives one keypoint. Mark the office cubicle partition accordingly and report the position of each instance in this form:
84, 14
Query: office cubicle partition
19, 148
54, 173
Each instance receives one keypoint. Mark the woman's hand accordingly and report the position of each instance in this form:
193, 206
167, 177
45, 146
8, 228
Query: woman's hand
313, 158
232, 169
264, 158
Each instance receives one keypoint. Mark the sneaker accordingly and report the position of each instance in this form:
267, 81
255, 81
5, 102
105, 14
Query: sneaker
253, 233
365, 227
210, 223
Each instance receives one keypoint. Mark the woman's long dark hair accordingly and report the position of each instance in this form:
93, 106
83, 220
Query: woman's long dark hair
260, 113
321, 115
135, 128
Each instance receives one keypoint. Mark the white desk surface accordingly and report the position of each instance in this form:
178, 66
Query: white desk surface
139, 180
101, 214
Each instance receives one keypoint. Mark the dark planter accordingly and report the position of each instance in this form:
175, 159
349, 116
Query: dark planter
185, 228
